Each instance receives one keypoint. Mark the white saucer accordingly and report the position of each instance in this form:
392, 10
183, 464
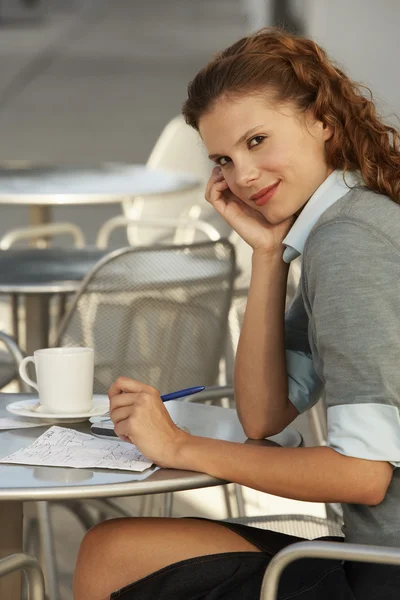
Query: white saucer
24, 408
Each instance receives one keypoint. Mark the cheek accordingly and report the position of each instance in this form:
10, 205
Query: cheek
229, 177
277, 160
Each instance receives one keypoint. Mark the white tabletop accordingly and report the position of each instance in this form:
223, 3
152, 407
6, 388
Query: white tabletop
19, 482
103, 184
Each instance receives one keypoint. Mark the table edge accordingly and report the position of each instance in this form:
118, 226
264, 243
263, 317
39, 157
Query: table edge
139, 488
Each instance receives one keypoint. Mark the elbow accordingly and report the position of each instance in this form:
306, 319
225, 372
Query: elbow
259, 429
366, 481
260, 432
255, 434
371, 498
375, 492
375, 495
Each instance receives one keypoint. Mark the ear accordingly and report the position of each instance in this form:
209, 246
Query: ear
327, 132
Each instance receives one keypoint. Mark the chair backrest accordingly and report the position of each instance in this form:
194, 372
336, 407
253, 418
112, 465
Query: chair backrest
10, 361
172, 231
42, 233
179, 148
157, 314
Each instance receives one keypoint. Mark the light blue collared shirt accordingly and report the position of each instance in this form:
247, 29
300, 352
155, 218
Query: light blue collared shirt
332, 189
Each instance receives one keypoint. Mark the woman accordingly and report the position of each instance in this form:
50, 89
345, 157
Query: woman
303, 167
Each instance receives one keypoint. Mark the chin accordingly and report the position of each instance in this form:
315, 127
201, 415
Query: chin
274, 219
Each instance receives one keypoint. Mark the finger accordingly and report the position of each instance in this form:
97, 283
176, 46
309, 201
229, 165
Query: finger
214, 193
121, 430
120, 413
216, 175
220, 186
217, 171
126, 385
129, 399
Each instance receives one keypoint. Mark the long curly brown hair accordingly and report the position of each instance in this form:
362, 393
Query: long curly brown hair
296, 69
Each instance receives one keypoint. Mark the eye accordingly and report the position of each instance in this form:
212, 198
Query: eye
222, 161
256, 140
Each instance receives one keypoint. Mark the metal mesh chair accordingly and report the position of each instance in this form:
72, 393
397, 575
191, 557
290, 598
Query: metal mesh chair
9, 361
158, 314
323, 550
302, 526
31, 569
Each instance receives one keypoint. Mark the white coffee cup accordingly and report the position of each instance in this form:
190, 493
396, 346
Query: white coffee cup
64, 378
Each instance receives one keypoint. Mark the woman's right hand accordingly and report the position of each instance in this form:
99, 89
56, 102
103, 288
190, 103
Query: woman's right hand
251, 225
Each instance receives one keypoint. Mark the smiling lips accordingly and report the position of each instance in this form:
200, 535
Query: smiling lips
264, 195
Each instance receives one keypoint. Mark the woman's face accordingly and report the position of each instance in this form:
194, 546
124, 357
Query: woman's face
272, 157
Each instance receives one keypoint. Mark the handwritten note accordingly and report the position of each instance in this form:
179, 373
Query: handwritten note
63, 447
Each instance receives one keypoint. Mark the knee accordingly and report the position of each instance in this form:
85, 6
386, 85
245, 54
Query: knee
94, 560
98, 540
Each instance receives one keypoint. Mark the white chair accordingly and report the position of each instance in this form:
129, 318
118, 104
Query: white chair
179, 148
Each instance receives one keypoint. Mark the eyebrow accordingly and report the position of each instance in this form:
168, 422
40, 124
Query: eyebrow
240, 140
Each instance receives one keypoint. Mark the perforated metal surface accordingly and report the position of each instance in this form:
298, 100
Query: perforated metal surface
304, 526
157, 314
7, 370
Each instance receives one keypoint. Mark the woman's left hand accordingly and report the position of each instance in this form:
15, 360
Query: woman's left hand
140, 417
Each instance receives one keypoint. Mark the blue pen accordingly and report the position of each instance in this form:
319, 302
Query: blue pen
102, 431
171, 396
182, 393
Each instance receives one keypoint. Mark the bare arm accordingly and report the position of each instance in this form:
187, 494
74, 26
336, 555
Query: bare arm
315, 474
311, 474
261, 389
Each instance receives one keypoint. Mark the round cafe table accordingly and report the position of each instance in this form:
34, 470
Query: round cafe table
42, 186
20, 483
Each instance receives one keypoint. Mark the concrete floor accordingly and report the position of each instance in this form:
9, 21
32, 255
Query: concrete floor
99, 84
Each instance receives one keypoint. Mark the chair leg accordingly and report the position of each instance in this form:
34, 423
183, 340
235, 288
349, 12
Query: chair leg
47, 550
31, 537
240, 503
146, 505
167, 504
225, 491
14, 317
80, 511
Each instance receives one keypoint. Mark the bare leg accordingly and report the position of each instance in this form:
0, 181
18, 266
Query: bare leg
121, 551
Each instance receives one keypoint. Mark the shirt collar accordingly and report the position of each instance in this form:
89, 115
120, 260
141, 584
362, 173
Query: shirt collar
335, 186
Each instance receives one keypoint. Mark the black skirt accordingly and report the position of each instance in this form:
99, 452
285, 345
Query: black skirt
239, 575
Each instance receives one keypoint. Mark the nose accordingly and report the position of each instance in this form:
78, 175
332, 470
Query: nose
246, 173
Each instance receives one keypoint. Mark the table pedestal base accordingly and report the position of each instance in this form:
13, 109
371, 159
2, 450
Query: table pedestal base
39, 214
11, 543
37, 322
